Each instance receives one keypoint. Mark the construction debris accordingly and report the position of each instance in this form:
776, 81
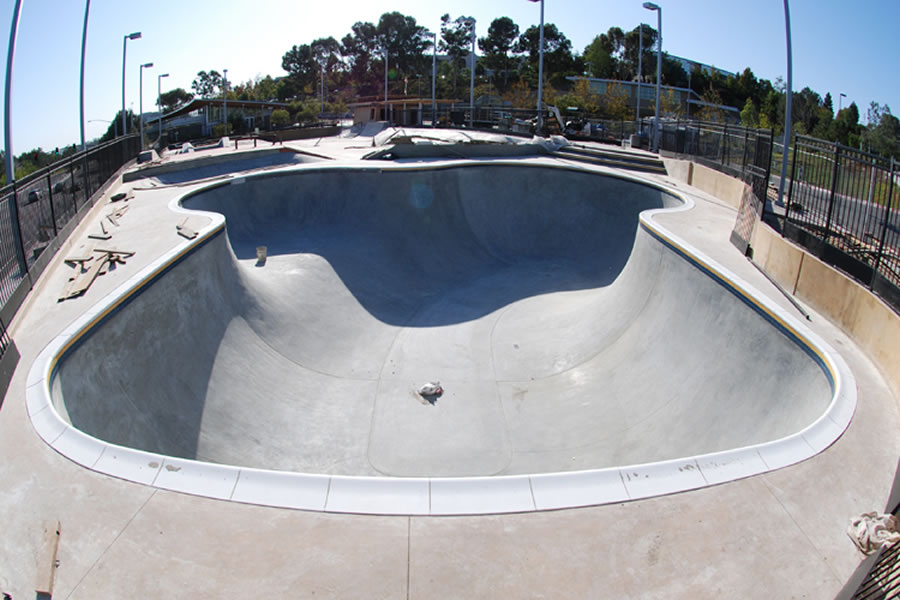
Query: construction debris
126, 196
103, 235
115, 215
184, 230
88, 268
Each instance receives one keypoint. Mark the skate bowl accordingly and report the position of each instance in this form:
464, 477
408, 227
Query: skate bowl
587, 354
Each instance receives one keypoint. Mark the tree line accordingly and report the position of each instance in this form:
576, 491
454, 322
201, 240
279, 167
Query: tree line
507, 69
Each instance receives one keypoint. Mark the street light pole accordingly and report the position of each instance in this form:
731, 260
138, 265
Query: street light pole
159, 102
7, 125
540, 96
433, 80
141, 98
472, 79
658, 9
640, 72
225, 101
787, 106
131, 36
841, 96
87, 10
385, 82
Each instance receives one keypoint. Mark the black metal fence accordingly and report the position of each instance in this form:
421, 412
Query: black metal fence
36, 210
842, 206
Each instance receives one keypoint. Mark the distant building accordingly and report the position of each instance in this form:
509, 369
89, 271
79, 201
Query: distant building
198, 117
689, 65
687, 102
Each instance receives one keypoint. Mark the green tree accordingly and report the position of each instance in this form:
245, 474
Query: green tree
456, 39
280, 117
557, 49
846, 126
207, 84
882, 134
301, 66
750, 114
631, 49
597, 55
500, 39
673, 72
168, 101
405, 42
360, 48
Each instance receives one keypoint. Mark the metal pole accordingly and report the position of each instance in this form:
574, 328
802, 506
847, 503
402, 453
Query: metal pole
124, 49
385, 81
658, 76
225, 101
787, 109
131, 36
7, 113
141, 99
540, 96
472, 83
10, 163
434, 81
322, 92
159, 101
640, 73
87, 10
887, 215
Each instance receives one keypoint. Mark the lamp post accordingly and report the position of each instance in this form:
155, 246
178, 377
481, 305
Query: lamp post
385, 81
433, 76
658, 9
141, 98
540, 96
787, 105
640, 72
131, 36
225, 101
7, 126
159, 101
841, 96
87, 10
471, 23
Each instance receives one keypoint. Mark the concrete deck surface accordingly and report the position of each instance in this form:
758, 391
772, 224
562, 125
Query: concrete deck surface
780, 535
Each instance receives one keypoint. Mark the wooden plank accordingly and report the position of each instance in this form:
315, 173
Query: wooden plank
184, 230
46, 563
124, 253
83, 281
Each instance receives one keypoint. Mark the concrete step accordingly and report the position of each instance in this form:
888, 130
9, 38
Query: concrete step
613, 158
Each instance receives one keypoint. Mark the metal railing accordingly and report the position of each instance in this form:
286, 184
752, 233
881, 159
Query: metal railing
842, 205
37, 209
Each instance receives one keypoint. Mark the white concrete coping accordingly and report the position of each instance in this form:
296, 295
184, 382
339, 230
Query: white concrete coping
451, 495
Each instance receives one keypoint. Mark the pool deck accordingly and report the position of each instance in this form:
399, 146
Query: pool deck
777, 535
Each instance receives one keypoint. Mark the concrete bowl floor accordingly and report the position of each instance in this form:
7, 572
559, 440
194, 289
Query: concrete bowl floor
566, 335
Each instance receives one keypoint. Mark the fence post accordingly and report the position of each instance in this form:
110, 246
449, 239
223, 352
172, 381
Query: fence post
790, 194
834, 178
744, 154
887, 215
725, 145
17, 229
50, 198
72, 185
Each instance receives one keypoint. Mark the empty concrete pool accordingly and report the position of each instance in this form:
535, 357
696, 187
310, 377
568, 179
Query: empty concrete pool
586, 354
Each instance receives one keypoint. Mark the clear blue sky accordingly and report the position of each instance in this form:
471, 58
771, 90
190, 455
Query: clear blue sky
839, 46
